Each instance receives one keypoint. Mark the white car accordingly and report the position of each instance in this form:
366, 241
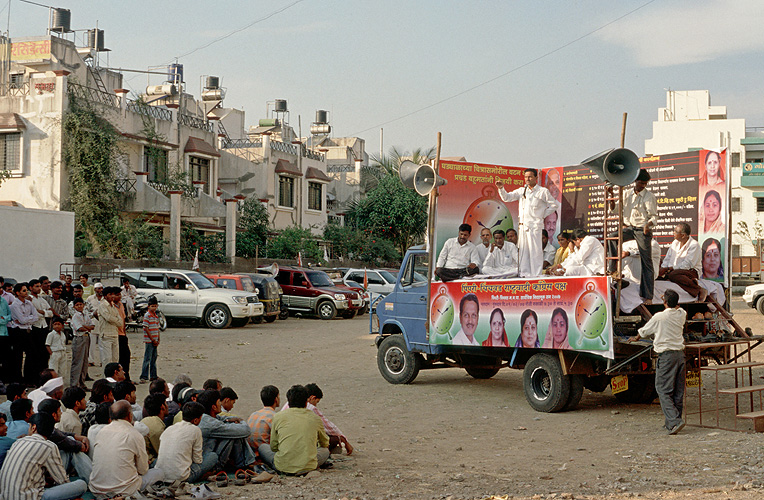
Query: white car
379, 281
189, 294
754, 297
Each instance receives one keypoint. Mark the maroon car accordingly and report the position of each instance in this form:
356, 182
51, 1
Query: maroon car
312, 291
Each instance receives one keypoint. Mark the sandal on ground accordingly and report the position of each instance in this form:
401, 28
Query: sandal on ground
240, 478
221, 479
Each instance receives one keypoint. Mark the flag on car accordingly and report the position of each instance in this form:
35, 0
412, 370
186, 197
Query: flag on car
299, 259
195, 266
365, 279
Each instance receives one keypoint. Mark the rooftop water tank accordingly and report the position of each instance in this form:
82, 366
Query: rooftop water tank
61, 20
175, 73
95, 39
280, 106
213, 82
321, 116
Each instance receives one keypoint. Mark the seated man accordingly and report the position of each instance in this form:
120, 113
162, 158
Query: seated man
457, 258
682, 263
126, 390
156, 410
588, 259
102, 419
228, 398
114, 372
72, 447
501, 260
21, 411
547, 249
13, 392
227, 439
48, 384
5, 441
299, 443
30, 460
102, 392
120, 463
336, 438
75, 401
260, 421
181, 455
512, 236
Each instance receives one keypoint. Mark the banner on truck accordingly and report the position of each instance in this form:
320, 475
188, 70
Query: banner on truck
550, 313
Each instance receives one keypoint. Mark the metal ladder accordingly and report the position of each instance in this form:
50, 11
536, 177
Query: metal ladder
97, 79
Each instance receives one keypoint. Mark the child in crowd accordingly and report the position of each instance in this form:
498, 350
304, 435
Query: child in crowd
228, 398
151, 341
55, 343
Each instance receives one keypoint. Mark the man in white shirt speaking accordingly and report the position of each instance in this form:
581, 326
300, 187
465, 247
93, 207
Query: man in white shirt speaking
667, 327
682, 262
458, 257
536, 203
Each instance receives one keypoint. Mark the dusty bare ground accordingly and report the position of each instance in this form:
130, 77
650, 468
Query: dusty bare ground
450, 436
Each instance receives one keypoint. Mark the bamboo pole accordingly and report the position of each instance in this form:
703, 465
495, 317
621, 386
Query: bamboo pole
431, 234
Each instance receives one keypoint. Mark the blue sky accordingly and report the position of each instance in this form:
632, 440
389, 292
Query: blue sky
370, 63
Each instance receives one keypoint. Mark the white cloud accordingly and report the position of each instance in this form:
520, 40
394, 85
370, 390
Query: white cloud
689, 33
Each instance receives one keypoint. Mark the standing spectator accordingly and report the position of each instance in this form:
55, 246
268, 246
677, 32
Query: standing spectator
87, 288
68, 293
128, 293
5, 340
23, 316
37, 354
55, 342
82, 325
123, 345
150, 341
5, 292
109, 321
156, 411
181, 455
91, 306
45, 289
120, 463
58, 305
77, 294
30, 460
260, 421
74, 400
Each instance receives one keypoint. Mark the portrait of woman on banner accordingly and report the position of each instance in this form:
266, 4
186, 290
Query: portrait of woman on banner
529, 336
712, 172
497, 337
712, 213
557, 333
713, 267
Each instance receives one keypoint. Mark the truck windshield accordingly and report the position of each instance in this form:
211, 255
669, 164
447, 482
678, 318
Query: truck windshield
387, 276
319, 278
416, 269
200, 281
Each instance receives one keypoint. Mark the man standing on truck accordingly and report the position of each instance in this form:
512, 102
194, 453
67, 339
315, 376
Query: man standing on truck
536, 203
469, 313
458, 258
667, 327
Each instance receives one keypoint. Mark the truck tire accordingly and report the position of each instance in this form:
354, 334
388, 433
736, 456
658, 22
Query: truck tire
576, 392
326, 310
760, 305
396, 364
641, 390
217, 316
546, 388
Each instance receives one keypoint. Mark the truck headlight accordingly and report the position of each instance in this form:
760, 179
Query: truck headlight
240, 299
339, 296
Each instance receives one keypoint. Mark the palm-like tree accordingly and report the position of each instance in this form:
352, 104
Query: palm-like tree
389, 164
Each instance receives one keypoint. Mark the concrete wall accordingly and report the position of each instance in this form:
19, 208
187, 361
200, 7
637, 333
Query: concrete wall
35, 242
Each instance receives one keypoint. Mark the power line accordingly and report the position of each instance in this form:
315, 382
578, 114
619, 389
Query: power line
279, 11
513, 70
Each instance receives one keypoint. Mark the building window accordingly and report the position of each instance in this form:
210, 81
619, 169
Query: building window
735, 204
10, 151
155, 163
735, 251
200, 171
735, 160
760, 204
314, 195
286, 191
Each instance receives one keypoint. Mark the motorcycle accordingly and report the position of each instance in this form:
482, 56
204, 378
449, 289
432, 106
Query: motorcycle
140, 306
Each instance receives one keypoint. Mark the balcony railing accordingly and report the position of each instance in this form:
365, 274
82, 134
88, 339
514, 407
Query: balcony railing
152, 111
164, 188
283, 147
313, 155
241, 144
125, 185
13, 89
92, 95
195, 122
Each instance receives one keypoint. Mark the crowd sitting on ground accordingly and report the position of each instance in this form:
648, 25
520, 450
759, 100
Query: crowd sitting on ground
56, 442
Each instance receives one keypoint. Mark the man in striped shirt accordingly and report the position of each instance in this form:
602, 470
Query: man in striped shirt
29, 459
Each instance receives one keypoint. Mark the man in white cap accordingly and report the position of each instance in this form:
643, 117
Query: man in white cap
52, 389
91, 306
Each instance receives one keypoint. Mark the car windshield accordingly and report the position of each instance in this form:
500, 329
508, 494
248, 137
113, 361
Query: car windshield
201, 282
319, 278
387, 276
246, 282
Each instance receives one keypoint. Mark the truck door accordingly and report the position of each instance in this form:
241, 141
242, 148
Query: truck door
411, 300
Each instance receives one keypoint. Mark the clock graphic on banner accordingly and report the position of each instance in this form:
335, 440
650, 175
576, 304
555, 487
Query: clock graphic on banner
442, 313
591, 314
489, 212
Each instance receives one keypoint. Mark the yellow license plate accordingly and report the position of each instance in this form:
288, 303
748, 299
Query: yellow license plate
619, 383
693, 378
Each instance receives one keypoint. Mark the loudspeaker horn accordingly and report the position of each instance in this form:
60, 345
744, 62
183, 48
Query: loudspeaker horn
421, 178
272, 269
618, 166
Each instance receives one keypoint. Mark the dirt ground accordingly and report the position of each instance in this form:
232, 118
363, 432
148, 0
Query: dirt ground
449, 436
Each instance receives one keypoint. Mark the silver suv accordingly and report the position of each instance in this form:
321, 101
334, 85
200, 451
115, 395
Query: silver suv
189, 294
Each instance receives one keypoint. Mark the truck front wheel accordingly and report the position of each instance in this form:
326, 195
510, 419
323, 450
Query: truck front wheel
396, 364
546, 388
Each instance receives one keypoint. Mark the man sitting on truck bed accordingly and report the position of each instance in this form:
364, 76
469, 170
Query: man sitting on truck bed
682, 262
501, 261
458, 257
588, 257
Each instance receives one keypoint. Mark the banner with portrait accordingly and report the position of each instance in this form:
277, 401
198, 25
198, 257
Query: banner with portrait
551, 313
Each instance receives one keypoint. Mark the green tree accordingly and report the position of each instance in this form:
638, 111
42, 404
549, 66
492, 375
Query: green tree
292, 240
356, 244
254, 223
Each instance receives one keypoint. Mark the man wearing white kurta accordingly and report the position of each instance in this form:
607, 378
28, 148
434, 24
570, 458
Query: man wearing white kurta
536, 203
482, 248
501, 261
682, 262
457, 258
589, 257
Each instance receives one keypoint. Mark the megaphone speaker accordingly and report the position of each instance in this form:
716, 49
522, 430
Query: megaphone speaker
615, 166
421, 178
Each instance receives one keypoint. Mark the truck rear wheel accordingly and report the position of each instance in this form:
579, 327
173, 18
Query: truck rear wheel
597, 384
546, 388
576, 392
396, 364
641, 390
